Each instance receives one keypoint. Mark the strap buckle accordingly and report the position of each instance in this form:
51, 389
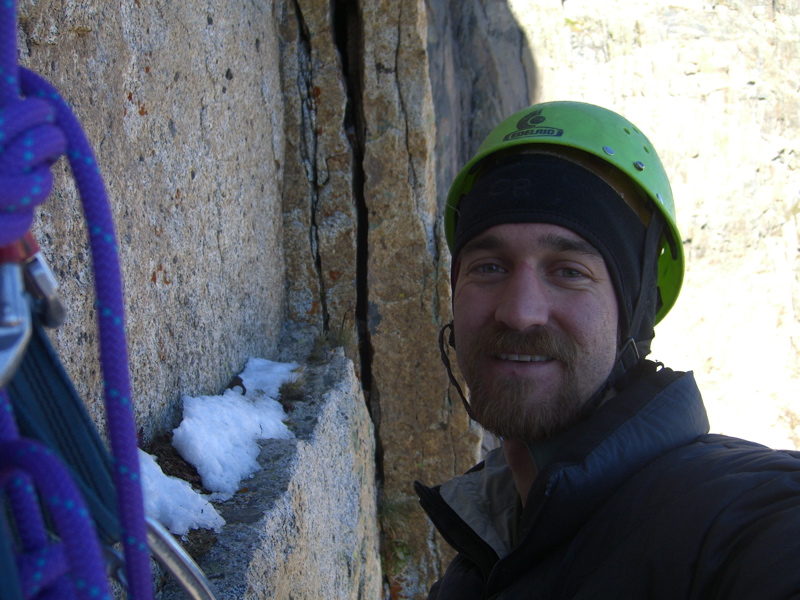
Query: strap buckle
629, 354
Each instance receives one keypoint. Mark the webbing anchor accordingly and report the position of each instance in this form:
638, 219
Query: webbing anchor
15, 313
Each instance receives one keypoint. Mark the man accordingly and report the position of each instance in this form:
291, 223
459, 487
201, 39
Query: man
607, 484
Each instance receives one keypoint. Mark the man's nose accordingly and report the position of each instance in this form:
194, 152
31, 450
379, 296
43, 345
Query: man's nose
524, 301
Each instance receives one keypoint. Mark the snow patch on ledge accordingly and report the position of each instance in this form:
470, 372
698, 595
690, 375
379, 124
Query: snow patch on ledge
219, 436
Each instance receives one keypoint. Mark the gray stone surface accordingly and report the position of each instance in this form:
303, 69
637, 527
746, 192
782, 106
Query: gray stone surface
320, 214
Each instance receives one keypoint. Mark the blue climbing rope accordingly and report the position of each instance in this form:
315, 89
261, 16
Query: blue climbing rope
36, 128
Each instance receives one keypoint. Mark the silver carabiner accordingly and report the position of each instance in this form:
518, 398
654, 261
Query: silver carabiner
171, 555
177, 562
15, 320
41, 284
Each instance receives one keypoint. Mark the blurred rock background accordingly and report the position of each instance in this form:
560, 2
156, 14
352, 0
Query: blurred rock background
716, 87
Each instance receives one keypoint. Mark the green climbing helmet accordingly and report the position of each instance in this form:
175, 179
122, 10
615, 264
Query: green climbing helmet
604, 134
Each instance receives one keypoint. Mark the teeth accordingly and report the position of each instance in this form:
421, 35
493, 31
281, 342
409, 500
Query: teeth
524, 357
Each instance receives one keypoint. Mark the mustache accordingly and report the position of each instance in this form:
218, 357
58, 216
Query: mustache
540, 341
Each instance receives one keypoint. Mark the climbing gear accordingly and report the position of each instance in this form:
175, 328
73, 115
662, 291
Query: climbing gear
605, 135
47, 408
36, 127
24, 268
177, 562
15, 316
67, 501
41, 284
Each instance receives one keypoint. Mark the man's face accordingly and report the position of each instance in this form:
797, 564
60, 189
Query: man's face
535, 319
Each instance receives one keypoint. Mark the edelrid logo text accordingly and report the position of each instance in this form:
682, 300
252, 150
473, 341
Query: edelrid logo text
536, 132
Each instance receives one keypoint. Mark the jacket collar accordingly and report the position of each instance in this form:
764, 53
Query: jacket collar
487, 501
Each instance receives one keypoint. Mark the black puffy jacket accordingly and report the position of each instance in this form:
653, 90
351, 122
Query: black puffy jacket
639, 503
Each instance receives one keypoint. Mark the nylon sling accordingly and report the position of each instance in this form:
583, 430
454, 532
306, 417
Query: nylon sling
47, 408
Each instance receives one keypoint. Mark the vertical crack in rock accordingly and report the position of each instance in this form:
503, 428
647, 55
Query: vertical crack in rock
348, 38
308, 148
411, 171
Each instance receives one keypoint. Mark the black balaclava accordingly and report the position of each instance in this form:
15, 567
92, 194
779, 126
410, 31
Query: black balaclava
544, 188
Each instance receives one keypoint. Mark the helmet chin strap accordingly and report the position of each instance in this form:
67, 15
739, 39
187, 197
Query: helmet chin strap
631, 351
446, 361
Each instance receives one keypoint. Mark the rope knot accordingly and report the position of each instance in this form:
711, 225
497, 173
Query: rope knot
30, 143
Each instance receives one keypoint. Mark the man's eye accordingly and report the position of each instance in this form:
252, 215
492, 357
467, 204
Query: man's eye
570, 273
489, 268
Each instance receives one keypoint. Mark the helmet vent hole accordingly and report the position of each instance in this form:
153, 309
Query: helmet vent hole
626, 130
646, 149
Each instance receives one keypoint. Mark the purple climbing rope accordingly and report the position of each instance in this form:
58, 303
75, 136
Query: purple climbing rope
36, 128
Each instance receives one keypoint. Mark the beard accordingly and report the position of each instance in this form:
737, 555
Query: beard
514, 407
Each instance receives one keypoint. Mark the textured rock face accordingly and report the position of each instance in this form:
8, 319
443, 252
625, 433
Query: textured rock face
183, 106
209, 129
320, 210
481, 70
715, 87
408, 392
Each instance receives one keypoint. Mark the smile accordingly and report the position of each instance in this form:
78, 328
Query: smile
524, 357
